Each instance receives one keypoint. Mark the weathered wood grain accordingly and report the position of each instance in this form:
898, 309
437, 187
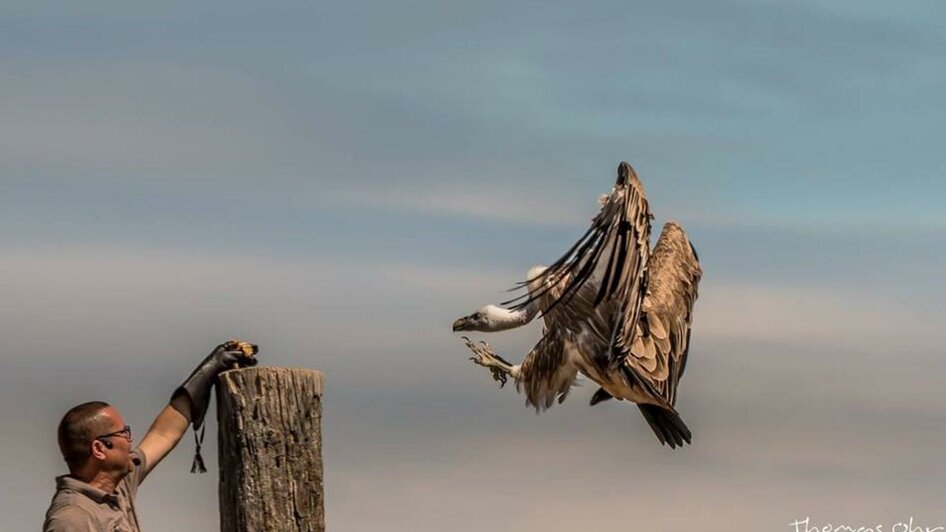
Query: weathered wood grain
270, 450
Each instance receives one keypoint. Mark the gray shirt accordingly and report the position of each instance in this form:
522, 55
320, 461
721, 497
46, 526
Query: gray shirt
78, 506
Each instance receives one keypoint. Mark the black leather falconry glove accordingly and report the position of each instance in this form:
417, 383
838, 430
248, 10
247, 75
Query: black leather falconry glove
197, 387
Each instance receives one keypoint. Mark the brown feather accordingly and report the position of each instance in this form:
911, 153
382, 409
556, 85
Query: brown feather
673, 277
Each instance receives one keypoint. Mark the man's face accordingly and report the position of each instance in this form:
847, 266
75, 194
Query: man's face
118, 457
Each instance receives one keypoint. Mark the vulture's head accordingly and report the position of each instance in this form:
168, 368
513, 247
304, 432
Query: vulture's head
478, 321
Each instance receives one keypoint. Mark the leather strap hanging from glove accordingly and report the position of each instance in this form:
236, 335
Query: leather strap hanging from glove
227, 355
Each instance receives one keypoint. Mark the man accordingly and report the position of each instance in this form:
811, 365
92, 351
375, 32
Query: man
105, 470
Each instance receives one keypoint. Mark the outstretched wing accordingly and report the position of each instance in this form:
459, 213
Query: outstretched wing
657, 353
606, 265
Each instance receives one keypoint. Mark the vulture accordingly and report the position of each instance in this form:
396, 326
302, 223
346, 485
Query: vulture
614, 309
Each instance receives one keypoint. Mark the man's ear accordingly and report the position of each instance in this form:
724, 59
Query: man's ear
98, 450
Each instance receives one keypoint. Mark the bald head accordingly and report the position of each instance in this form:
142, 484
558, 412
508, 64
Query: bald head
78, 428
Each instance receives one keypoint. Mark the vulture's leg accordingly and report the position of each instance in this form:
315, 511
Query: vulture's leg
484, 356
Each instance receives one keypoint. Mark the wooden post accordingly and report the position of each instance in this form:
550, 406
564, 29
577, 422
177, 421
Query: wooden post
270, 450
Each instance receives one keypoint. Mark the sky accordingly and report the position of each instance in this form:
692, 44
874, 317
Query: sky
339, 181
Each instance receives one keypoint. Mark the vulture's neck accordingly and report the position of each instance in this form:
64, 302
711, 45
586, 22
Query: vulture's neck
500, 319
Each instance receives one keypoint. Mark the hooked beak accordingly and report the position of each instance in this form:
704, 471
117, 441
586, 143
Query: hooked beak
462, 324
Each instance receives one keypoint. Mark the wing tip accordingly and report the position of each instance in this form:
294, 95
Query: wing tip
626, 173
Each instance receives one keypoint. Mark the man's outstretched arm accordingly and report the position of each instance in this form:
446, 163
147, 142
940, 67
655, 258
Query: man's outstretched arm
166, 430
189, 402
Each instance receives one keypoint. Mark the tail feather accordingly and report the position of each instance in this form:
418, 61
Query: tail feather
600, 395
666, 424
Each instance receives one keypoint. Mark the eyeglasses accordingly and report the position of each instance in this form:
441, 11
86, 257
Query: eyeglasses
124, 432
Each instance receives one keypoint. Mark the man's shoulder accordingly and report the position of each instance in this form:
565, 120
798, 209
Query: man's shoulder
65, 500
64, 516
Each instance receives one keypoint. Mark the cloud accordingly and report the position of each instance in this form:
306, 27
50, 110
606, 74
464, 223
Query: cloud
496, 204
108, 117
803, 315
128, 298
87, 294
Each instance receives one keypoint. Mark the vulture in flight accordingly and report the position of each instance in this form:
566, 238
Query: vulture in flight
614, 309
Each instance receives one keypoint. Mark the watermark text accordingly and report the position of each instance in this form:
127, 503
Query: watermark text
909, 525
